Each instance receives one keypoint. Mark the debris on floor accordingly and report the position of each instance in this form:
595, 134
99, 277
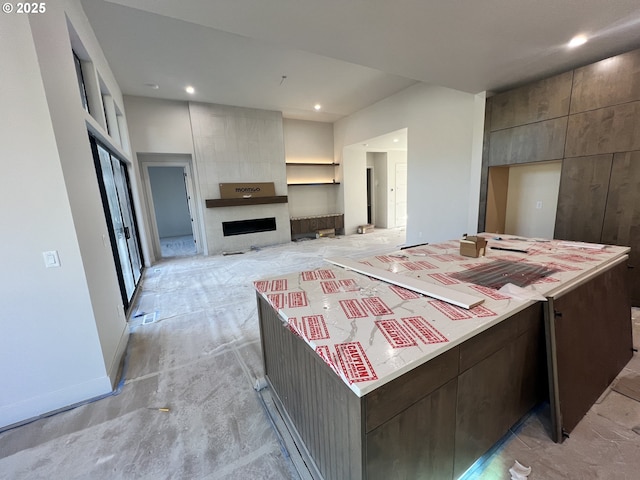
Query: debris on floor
628, 386
519, 471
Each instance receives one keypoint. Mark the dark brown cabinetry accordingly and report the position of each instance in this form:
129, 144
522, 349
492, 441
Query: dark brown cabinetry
599, 201
305, 225
590, 119
432, 422
621, 224
584, 184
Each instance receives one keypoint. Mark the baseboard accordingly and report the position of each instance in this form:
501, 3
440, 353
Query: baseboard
26, 411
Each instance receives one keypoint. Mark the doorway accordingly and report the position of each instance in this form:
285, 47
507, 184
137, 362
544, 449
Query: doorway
401, 194
370, 196
171, 211
172, 214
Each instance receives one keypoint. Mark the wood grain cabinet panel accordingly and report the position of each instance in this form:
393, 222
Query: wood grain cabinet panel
309, 391
584, 183
606, 130
609, 82
542, 100
593, 341
391, 399
622, 215
510, 380
528, 143
417, 444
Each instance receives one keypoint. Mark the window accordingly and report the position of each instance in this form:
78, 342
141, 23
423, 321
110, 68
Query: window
81, 86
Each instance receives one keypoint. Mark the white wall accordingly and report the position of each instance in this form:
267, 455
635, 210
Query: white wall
162, 127
306, 141
63, 329
158, 126
170, 201
532, 199
353, 169
441, 125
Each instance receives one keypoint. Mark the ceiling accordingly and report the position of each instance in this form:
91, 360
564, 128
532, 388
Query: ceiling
288, 55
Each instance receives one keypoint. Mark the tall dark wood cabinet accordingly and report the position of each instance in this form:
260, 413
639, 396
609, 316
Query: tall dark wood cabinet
599, 202
582, 199
622, 217
590, 119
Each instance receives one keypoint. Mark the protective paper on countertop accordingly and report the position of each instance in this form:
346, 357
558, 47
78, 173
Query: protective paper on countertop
522, 293
371, 332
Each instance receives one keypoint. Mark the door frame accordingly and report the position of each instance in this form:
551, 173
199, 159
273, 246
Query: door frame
371, 193
97, 144
183, 161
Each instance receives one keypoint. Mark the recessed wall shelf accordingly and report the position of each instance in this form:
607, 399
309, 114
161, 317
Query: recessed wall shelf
236, 202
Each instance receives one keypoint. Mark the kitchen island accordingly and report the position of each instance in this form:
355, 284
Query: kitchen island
379, 381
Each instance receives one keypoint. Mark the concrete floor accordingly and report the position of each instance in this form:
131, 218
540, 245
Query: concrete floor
177, 246
200, 359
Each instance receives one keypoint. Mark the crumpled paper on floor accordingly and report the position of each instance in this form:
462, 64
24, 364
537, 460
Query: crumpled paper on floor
519, 471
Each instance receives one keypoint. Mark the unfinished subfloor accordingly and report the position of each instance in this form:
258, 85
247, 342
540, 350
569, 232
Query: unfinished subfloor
188, 408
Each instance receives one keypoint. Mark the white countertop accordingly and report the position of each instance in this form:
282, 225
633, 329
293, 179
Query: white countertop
371, 332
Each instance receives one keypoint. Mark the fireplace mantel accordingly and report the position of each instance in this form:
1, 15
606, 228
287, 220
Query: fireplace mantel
236, 202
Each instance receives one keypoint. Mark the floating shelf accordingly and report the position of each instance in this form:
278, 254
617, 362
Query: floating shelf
312, 183
236, 202
301, 164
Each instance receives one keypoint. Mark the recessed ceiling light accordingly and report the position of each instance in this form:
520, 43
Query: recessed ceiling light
190, 90
577, 41
395, 140
155, 86
317, 107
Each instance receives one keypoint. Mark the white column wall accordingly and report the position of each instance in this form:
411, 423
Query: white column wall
237, 145
441, 125
53, 47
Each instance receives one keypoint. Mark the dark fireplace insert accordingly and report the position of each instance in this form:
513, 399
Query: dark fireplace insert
242, 227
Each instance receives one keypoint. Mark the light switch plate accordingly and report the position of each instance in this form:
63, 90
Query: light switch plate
51, 259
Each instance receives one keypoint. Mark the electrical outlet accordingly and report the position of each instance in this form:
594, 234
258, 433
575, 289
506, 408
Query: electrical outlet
539, 204
51, 259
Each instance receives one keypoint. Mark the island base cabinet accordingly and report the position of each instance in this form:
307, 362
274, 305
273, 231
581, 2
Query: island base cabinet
434, 421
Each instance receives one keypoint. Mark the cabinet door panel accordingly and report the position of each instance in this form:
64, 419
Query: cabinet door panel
535, 142
582, 198
535, 102
622, 217
611, 81
606, 130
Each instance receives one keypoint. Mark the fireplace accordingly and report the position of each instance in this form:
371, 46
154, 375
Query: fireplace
242, 227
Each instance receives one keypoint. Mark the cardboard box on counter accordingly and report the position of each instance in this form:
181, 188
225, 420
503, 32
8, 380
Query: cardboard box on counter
472, 246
